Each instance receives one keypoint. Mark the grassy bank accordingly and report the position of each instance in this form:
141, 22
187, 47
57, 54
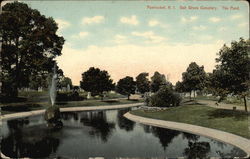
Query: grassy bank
235, 122
29, 106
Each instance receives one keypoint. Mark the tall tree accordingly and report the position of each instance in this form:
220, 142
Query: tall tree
179, 87
29, 45
157, 80
232, 71
66, 82
96, 81
194, 78
126, 86
142, 83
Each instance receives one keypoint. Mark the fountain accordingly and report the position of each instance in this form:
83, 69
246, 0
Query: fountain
52, 114
52, 91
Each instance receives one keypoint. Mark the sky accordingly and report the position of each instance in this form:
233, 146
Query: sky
129, 37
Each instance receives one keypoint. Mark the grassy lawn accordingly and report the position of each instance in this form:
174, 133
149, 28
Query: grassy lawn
235, 122
22, 107
39, 100
230, 100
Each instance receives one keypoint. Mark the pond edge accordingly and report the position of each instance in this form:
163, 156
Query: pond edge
235, 140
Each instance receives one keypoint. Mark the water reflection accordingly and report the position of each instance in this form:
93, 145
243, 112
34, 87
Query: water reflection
24, 141
123, 122
100, 126
165, 135
108, 134
69, 116
197, 150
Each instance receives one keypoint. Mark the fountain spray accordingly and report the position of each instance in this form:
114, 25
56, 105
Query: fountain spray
52, 91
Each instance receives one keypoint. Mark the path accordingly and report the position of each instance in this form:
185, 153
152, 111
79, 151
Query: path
222, 136
70, 109
221, 105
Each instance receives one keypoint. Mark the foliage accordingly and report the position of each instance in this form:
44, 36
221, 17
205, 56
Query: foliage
69, 96
157, 80
232, 71
65, 82
29, 46
126, 86
165, 97
194, 78
179, 87
96, 81
142, 83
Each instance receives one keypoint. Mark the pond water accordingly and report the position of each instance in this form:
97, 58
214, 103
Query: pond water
107, 134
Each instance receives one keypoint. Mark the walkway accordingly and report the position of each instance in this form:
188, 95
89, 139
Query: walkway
70, 109
222, 136
221, 105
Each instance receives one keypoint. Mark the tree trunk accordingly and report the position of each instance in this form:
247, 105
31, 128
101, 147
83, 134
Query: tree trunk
190, 95
128, 96
245, 103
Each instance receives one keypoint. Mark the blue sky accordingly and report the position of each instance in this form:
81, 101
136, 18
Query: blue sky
126, 37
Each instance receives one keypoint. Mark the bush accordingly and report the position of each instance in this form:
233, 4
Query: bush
69, 96
165, 97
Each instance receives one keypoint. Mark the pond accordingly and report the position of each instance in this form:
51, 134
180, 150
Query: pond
105, 134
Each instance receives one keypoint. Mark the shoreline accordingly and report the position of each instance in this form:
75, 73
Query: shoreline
235, 140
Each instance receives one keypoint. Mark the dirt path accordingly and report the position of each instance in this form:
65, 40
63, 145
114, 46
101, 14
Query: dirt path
221, 105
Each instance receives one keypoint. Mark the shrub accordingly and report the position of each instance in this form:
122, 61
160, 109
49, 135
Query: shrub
69, 96
165, 97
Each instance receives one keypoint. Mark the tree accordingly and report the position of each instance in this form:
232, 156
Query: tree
232, 71
179, 87
65, 82
157, 80
194, 78
142, 83
29, 46
96, 81
126, 86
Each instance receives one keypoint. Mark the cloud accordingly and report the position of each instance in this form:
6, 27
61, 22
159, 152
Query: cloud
199, 28
222, 29
91, 20
129, 20
150, 36
236, 16
242, 25
119, 39
130, 60
189, 20
80, 35
214, 19
153, 23
62, 24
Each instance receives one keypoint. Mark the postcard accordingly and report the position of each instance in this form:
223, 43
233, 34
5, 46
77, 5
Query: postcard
123, 79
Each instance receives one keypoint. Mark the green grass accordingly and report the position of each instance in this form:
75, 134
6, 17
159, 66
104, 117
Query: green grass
235, 122
29, 106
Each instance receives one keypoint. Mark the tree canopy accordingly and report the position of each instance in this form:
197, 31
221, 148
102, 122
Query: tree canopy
96, 81
30, 44
157, 80
194, 78
142, 83
126, 86
232, 71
